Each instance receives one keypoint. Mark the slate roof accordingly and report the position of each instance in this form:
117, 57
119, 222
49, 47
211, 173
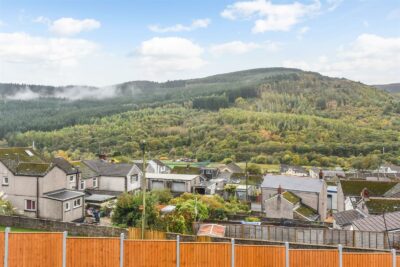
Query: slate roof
293, 183
98, 198
64, 194
376, 223
346, 217
104, 168
299, 169
170, 176
64, 165
234, 168
375, 188
394, 192
22, 161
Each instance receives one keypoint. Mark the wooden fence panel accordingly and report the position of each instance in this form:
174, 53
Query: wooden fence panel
1, 248
93, 252
35, 250
314, 258
398, 261
205, 254
262, 256
149, 253
367, 259
136, 233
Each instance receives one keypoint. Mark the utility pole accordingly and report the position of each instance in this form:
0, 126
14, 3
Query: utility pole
143, 148
247, 185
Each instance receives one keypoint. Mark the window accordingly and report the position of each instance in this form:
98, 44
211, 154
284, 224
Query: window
94, 182
77, 203
30, 205
71, 178
134, 178
82, 185
5, 180
67, 206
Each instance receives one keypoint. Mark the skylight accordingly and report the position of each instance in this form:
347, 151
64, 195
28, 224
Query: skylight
30, 154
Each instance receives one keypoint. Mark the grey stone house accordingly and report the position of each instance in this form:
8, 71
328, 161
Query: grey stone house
38, 188
312, 193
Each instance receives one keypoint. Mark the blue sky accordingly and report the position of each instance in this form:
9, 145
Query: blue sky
105, 42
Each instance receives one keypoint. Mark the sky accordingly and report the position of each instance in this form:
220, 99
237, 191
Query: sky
105, 42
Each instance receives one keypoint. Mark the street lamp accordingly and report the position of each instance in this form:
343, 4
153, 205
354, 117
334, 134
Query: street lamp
143, 148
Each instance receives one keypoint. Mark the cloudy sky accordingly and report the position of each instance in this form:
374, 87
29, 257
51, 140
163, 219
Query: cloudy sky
103, 42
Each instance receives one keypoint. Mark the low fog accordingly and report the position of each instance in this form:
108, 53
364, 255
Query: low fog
69, 92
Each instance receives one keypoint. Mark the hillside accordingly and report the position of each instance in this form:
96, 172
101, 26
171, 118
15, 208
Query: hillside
267, 115
392, 88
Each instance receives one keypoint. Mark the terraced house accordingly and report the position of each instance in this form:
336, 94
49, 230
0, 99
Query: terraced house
38, 188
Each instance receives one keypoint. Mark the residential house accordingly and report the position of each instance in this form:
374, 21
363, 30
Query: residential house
209, 172
231, 168
338, 173
177, 183
388, 169
153, 166
356, 194
71, 172
38, 188
293, 170
390, 222
287, 205
344, 220
109, 178
312, 192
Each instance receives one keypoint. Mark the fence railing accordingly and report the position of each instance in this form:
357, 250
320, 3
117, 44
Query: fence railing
316, 236
59, 250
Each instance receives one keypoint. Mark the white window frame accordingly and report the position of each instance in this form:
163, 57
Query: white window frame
26, 205
4, 180
136, 178
80, 185
67, 206
71, 178
95, 182
77, 205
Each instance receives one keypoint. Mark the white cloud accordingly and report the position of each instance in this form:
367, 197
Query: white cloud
333, 4
239, 47
71, 26
27, 49
301, 32
196, 24
169, 54
269, 16
370, 58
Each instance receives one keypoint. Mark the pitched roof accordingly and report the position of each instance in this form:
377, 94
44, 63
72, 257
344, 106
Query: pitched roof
381, 205
377, 223
307, 212
24, 161
234, 168
171, 176
104, 168
346, 217
293, 183
394, 192
64, 165
291, 197
186, 170
375, 188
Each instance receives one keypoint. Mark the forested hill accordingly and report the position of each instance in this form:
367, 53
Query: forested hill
392, 87
267, 115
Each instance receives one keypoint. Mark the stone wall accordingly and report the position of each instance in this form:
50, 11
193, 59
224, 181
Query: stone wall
75, 229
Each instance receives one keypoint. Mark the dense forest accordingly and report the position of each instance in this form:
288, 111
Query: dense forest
264, 115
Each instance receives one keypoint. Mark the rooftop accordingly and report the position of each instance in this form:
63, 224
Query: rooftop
293, 183
375, 188
24, 161
292, 198
185, 170
377, 223
346, 217
64, 194
171, 176
381, 205
104, 168
64, 165
307, 212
